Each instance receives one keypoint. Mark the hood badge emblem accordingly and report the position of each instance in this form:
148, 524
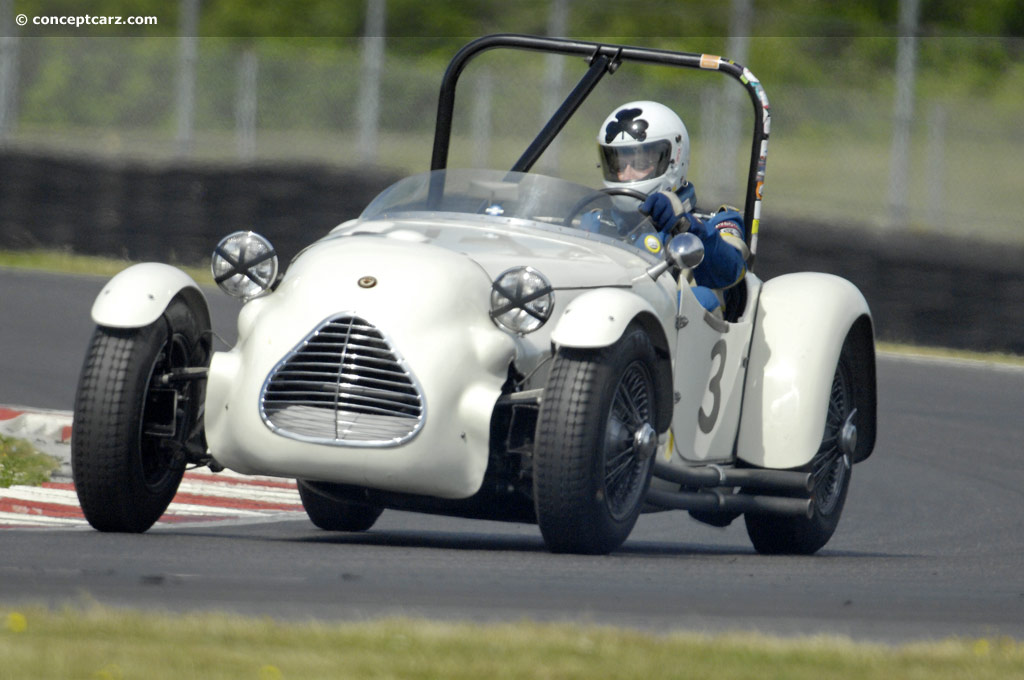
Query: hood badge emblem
367, 282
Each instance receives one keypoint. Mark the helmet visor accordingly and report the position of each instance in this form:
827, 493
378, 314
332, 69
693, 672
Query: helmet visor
635, 162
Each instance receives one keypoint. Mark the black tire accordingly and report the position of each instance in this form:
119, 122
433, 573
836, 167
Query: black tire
589, 480
126, 461
331, 514
772, 535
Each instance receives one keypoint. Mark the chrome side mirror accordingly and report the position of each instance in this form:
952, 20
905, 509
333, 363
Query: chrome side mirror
685, 251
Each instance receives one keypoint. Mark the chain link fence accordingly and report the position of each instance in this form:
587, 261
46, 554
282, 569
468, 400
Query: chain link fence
259, 101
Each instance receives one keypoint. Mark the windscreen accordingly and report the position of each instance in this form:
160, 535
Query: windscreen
496, 198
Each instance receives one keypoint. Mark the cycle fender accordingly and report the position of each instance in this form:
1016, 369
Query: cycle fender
137, 296
802, 322
598, 318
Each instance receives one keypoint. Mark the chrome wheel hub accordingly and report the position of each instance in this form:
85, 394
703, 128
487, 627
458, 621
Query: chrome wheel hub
645, 442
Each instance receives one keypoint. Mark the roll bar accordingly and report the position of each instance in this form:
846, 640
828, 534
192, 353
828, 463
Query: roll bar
604, 59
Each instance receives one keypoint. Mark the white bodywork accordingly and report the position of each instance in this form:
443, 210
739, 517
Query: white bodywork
710, 356
138, 295
755, 389
597, 318
440, 326
802, 321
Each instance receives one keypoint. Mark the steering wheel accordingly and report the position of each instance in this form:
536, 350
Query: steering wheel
607, 191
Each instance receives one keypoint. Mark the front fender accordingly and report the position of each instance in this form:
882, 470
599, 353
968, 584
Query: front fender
802, 322
599, 317
137, 296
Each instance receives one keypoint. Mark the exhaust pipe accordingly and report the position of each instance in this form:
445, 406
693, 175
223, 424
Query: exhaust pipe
771, 481
711, 489
718, 501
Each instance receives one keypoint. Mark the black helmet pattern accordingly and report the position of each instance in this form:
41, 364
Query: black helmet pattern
626, 121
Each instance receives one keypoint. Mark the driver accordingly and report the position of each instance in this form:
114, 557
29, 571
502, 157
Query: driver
644, 145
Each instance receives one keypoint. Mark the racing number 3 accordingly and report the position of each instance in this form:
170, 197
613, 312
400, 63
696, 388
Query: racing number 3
706, 421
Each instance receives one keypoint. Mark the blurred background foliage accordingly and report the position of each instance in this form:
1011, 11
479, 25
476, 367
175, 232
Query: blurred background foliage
701, 26
298, 69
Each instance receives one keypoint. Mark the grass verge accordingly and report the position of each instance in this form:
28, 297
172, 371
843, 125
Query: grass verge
964, 355
65, 262
21, 464
105, 643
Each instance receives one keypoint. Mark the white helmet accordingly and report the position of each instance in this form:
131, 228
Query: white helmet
644, 146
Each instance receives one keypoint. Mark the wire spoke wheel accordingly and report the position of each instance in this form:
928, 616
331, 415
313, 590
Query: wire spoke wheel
830, 465
594, 445
830, 469
624, 469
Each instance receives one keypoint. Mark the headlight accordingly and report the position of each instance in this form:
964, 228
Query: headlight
244, 265
521, 300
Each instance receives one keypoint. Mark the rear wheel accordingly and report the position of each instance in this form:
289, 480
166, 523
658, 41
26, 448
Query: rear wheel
595, 445
831, 468
132, 432
335, 514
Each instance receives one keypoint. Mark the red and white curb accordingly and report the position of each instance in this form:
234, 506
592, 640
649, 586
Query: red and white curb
202, 497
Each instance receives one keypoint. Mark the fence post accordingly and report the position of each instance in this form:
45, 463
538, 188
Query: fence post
935, 168
480, 129
903, 113
8, 71
558, 21
246, 104
187, 76
737, 48
369, 84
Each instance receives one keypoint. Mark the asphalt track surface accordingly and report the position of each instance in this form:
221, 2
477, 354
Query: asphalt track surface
931, 543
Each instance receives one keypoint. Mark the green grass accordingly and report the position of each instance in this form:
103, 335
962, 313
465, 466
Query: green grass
21, 464
105, 643
65, 262
1001, 358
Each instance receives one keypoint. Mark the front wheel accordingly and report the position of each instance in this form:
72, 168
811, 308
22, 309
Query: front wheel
132, 432
830, 467
595, 445
335, 514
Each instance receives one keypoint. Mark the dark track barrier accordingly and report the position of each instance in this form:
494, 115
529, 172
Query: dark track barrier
922, 288
172, 213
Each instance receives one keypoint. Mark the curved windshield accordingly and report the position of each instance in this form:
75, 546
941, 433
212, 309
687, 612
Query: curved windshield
505, 196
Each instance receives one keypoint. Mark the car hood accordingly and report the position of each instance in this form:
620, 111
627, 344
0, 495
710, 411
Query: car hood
568, 258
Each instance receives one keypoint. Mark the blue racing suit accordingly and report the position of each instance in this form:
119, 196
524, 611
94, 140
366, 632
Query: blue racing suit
725, 250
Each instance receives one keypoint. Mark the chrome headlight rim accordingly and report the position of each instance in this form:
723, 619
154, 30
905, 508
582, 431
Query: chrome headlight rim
244, 265
522, 300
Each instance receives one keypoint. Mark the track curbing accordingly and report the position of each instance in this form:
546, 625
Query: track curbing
203, 496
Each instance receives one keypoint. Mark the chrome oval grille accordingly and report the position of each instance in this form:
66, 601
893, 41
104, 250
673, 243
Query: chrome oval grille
344, 385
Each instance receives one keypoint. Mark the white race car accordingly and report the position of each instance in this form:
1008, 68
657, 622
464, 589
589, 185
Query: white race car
465, 347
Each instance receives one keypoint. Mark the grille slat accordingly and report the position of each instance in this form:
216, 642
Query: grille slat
345, 385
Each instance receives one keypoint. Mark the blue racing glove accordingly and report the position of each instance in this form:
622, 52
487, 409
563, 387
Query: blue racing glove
591, 221
667, 208
701, 229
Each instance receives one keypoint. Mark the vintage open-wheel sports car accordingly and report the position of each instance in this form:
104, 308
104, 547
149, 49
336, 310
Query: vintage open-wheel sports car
472, 346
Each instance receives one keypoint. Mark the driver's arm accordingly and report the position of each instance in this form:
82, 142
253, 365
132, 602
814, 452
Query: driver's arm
725, 250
